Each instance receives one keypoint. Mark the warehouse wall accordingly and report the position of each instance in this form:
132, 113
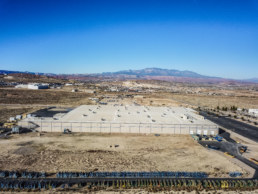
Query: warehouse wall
104, 127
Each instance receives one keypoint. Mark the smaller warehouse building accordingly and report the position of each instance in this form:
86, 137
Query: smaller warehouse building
37, 86
253, 112
33, 86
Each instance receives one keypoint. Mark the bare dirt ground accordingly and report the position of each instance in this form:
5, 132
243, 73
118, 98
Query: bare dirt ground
214, 101
7, 112
25, 96
192, 100
18, 101
54, 152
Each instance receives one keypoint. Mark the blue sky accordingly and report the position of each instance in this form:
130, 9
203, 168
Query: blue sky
210, 37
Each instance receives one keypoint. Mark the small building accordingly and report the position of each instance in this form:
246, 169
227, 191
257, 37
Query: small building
37, 86
253, 112
24, 86
12, 119
75, 90
16, 129
9, 77
138, 96
18, 117
90, 91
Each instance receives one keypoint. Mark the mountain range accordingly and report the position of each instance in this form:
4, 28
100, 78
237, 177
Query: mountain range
157, 72
147, 73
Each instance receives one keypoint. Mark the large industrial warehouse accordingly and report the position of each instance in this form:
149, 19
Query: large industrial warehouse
126, 119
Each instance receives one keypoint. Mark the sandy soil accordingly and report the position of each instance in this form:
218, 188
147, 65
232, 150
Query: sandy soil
214, 101
50, 96
7, 112
87, 152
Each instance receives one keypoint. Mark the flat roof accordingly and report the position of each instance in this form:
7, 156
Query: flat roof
134, 114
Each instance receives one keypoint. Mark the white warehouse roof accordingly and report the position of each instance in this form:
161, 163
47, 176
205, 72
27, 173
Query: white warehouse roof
134, 114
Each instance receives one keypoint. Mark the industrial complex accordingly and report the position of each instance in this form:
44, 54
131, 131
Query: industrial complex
125, 119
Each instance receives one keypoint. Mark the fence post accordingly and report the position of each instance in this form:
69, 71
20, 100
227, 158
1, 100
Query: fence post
41, 125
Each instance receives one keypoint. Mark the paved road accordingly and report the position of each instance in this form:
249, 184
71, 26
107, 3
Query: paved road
243, 129
233, 149
4, 134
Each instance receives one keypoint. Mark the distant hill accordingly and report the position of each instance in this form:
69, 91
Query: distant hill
254, 80
171, 75
25, 72
163, 75
157, 72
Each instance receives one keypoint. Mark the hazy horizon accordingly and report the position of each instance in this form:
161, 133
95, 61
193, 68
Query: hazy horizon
213, 38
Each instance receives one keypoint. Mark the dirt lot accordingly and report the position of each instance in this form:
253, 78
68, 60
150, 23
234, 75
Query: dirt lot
214, 101
191, 100
6, 113
25, 96
87, 152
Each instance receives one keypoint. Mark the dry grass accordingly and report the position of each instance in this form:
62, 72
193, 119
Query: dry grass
7, 112
214, 101
25, 96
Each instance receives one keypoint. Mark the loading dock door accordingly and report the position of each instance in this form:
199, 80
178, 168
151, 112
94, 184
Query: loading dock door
199, 132
205, 132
